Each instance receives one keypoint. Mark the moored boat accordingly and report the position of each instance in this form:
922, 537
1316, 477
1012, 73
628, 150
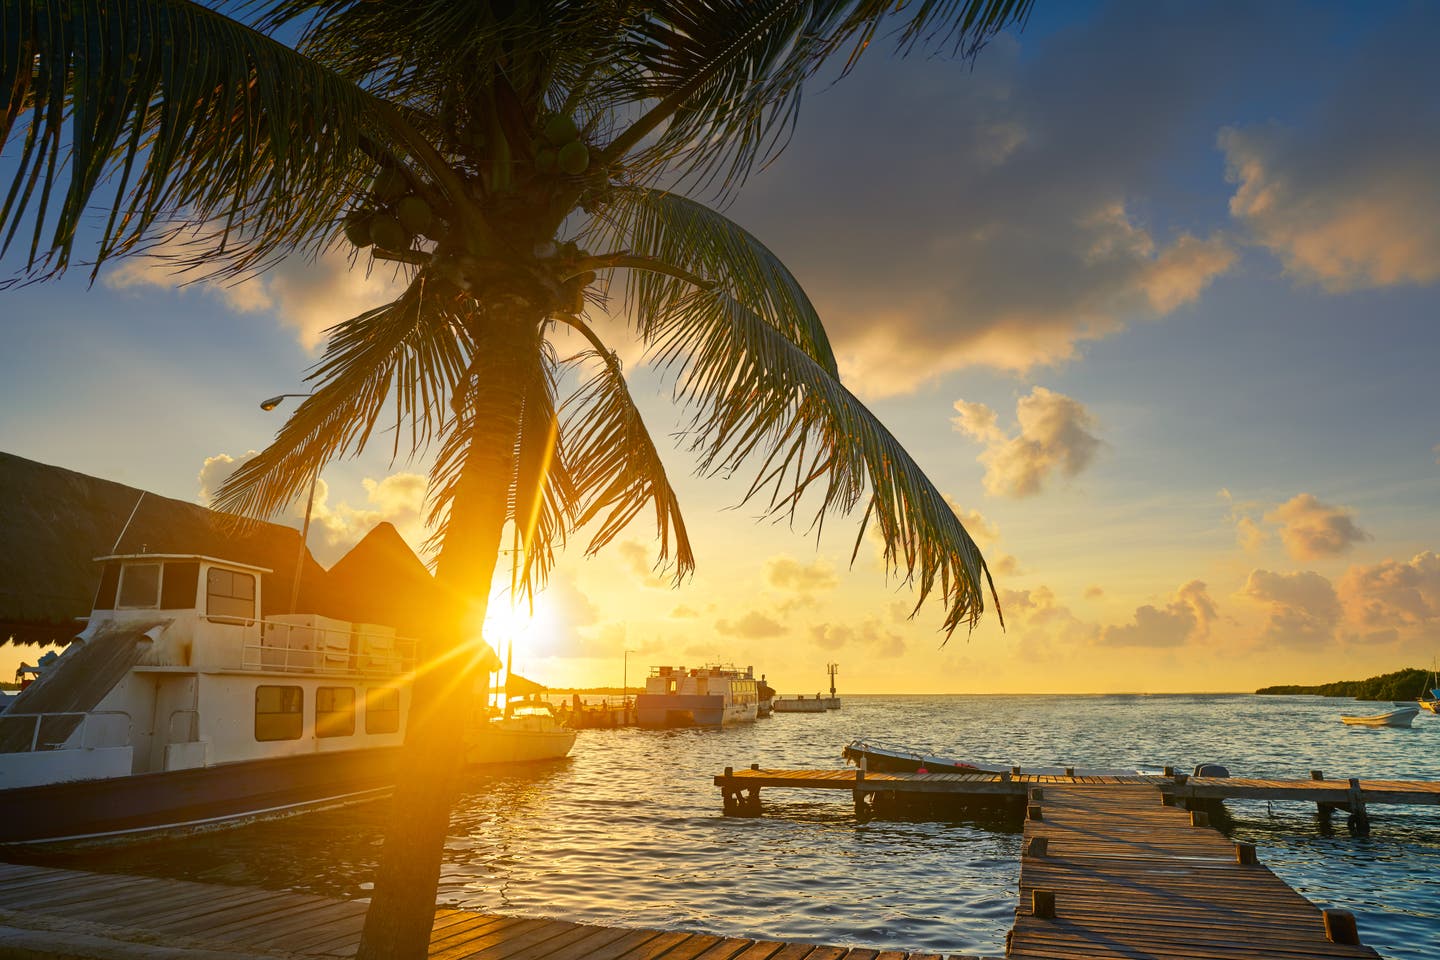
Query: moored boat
1400, 717
887, 758
527, 732
178, 707
710, 696
1430, 696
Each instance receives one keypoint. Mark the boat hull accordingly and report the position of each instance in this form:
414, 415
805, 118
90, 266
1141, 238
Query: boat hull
661, 711
194, 799
519, 746
1432, 705
1394, 718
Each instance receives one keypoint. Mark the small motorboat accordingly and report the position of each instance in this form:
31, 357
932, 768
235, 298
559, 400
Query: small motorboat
890, 759
1400, 717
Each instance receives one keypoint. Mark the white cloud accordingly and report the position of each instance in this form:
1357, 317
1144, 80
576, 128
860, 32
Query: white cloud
1394, 593
1312, 530
216, 470
1303, 609
790, 575
1054, 437
303, 294
1185, 618
754, 625
869, 634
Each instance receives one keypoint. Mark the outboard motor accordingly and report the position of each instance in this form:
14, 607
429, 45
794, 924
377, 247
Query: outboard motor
1211, 770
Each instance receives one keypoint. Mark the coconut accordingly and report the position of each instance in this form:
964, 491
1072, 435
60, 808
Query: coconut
357, 227
546, 160
415, 214
390, 184
573, 158
560, 129
388, 233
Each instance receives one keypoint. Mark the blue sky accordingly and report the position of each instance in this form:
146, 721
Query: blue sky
1194, 248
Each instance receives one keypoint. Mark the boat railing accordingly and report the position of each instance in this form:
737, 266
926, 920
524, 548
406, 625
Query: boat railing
51, 731
319, 649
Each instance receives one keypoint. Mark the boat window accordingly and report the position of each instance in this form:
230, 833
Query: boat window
230, 594
334, 711
382, 710
140, 585
109, 585
279, 712
177, 588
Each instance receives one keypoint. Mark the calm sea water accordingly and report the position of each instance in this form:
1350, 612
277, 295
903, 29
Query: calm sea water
629, 830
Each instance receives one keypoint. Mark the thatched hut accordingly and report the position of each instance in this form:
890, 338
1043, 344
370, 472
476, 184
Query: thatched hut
54, 522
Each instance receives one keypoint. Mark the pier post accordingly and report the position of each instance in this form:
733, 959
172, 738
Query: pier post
1169, 771
1245, 854
1359, 821
1033, 812
1037, 794
1037, 847
1042, 904
1317, 774
1340, 927
1199, 818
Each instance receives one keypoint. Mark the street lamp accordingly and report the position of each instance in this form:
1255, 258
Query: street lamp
267, 406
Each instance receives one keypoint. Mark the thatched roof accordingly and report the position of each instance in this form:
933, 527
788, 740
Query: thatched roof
54, 522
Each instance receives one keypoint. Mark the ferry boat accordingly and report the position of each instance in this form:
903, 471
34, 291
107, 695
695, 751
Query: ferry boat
179, 707
709, 696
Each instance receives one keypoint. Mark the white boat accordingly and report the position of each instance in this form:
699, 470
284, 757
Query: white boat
179, 707
527, 732
709, 696
1400, 717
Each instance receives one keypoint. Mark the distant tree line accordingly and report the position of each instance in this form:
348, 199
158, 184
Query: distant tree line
1400, 685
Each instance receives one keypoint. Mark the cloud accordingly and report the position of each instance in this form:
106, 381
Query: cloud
1015, 217
1054, 437
684, 612
398, 499
1094, 592
1186, 617
639, 561
1349, 199
870, 633
303, 294
1303, 609
1312, 530
216, 470
752, 626
1393, 593
788, 574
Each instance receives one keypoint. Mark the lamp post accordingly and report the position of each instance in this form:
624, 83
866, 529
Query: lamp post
267, 406
625, 683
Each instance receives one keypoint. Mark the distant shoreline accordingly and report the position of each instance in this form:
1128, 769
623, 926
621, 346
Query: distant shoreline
1401, 685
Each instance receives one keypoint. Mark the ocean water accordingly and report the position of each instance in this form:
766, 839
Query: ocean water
629, 830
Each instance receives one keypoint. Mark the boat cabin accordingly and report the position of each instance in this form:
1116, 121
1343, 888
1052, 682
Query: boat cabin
176, 669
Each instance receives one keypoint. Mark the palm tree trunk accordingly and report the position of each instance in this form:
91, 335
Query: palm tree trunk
402, 910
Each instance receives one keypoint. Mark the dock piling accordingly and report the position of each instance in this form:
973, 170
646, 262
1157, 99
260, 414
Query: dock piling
1037, 847
1199, 818
1042, 904
1245, 854
1340, 927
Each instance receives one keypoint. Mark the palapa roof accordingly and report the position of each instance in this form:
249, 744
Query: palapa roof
54, 522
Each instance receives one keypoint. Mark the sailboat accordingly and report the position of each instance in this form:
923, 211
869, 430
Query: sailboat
1430, 695
526, 730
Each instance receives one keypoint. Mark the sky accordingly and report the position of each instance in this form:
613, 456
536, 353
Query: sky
1147, 290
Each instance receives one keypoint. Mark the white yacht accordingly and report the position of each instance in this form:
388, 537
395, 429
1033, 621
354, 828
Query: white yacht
710, 696
177, 706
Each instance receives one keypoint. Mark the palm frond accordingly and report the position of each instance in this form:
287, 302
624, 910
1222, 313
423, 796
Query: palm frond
757, 394
407, 350
618, 470
163, 108
725, 76
687, 234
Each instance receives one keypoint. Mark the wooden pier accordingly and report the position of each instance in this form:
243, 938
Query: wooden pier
1110, 871
740, 789
49, 913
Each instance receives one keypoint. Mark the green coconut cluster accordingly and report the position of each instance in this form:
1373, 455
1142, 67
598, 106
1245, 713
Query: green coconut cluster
559, 148
394, 215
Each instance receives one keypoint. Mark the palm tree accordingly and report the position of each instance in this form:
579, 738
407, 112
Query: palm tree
517, 161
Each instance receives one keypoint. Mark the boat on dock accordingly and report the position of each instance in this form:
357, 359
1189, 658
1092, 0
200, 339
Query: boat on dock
709, 696
1399, 717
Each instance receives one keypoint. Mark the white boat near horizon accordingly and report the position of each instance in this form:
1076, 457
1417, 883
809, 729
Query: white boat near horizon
1399, 717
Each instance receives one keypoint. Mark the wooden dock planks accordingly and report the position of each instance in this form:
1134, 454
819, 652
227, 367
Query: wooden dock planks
184, 913
1131, 878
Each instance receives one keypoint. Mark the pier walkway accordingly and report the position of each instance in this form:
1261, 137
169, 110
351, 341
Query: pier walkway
49, 913
1109, 871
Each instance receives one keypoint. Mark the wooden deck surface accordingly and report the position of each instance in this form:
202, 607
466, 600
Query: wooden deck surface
1132, 878
178, 913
